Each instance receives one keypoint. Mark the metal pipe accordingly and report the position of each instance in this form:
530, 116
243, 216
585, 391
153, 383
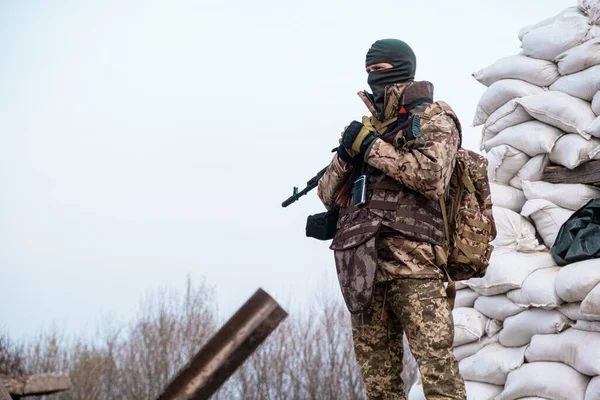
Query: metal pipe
226, 350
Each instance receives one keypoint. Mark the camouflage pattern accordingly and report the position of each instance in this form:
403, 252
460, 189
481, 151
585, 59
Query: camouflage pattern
417, 307
472, 222
331, 181
414, 178
401, 257
356, 264
424, 164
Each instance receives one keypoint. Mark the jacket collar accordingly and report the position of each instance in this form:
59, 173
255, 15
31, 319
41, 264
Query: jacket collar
396, 97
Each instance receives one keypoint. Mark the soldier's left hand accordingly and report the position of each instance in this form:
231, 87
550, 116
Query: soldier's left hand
358, 136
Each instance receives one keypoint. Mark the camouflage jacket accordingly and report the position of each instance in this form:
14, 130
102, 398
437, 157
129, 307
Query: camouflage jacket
394, 234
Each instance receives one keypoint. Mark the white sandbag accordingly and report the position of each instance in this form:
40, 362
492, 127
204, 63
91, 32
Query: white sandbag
492, 327
547, 21
538, 290
565, 195
588, 326
514, 231
593, 389
547, 217
504, 162
533, 170
595, 104
467, 350
590, 306
492, 364
573, 150
575, 281
563, 111
465, 298
475, 391
548, 380
573, 312
565, 32
497, 307
537, 72
461, 285
510, 114
582, 85
531, 137
580, 57
499, 94
469, 325
594, 128
578, 349
507, 197
519, 329
592, 9
508, 270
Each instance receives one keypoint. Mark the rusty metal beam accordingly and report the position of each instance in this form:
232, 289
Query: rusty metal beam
226, 350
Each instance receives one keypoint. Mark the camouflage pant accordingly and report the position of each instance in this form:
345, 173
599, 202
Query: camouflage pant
419, 308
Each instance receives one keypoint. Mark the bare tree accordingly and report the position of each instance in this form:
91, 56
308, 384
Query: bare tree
309, 356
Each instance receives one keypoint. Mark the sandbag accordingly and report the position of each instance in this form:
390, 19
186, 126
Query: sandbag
573, 150
549, 380
547, 21
532, 138
561, 110
507, 197
593, 389
573, 312
475, 391
538, 290
510, 114
565, 32
492, 364
594, 128
469, 325
579, 237
565, 195
499, 94
537, 72
590, 306
592, 9
508, 270
575, 281
547, 218
461, 285
519, 329
588, 326
514, 232
504, 162
578, 349
596, 104
583, 85
492, 327
465, 298
533, 170
467, 350
578, 58
497, 307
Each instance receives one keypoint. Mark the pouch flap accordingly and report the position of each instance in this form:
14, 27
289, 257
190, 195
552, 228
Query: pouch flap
355, 235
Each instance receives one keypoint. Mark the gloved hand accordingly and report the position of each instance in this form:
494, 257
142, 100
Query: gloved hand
358, 136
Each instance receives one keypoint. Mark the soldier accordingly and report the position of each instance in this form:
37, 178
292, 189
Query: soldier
387, 250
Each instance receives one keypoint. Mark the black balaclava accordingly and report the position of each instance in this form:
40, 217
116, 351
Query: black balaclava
404, 61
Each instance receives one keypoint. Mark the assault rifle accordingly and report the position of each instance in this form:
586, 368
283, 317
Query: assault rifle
310, 185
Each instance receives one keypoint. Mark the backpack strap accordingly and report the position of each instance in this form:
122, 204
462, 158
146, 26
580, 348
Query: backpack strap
442, 257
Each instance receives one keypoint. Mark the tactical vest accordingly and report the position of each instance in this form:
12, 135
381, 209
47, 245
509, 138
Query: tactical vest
390, 207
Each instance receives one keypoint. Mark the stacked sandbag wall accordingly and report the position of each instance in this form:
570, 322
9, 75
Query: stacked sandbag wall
530, 328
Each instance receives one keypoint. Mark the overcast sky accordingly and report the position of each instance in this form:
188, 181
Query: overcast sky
141, 142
